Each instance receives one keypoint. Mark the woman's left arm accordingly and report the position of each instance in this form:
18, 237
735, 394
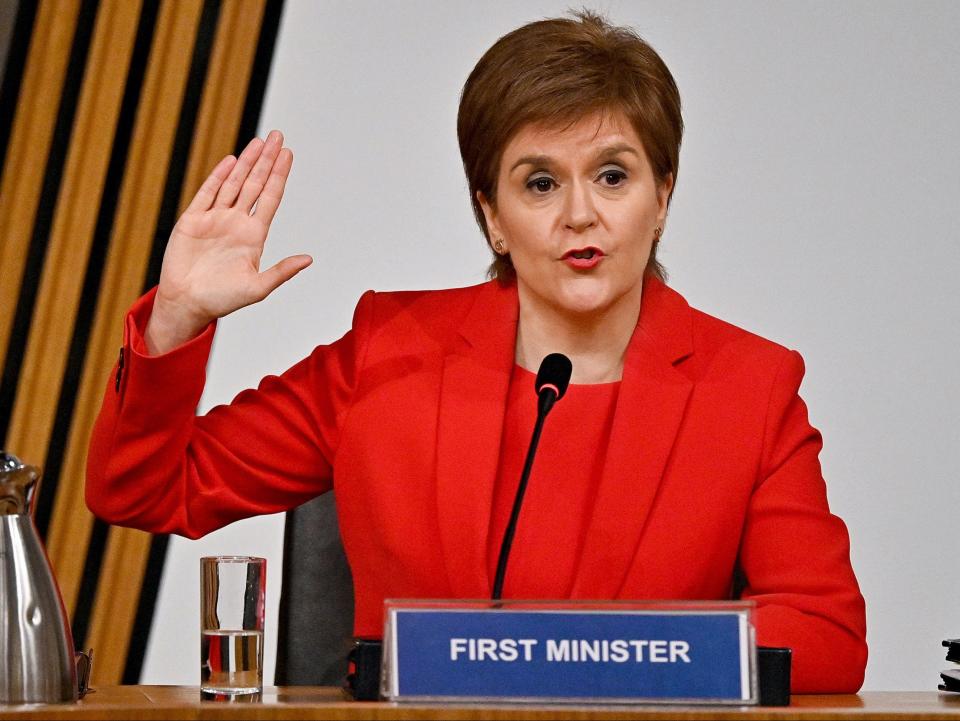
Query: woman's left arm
795, 554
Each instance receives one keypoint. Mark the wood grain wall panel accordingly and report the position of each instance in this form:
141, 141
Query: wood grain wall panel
117, 597
131, 139
29, 146
221, 108
225, 92
130, 244
75, 215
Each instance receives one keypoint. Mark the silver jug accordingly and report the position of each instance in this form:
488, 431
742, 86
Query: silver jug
36, 648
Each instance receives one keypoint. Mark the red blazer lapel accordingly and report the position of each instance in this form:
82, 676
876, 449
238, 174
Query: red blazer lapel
473, 398
653, 397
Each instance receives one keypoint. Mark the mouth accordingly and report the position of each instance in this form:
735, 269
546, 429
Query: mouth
583, 257
587, 252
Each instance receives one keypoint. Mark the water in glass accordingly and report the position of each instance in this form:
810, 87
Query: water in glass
231, 662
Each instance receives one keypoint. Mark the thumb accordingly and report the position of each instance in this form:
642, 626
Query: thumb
278, 274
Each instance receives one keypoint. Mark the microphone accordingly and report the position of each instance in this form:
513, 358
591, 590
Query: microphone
552, 381
551, 385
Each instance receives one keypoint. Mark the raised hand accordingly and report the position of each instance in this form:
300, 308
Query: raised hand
211, 266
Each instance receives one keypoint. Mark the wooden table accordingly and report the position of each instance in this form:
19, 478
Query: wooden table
309, 702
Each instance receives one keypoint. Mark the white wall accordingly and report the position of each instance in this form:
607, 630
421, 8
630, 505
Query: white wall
816, 205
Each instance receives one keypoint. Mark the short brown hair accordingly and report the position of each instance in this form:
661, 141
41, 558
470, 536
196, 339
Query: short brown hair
557, 72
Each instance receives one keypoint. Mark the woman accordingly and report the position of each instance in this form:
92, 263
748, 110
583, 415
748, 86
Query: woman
680, 464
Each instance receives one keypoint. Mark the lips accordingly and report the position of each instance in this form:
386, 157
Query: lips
583, 258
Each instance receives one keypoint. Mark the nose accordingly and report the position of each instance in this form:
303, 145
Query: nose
579, 211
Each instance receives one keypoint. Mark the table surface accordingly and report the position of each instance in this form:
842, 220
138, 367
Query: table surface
303, 702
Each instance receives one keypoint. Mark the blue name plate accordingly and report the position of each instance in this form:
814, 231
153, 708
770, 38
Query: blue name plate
616, 653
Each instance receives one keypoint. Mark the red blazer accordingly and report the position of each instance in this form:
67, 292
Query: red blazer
712, 470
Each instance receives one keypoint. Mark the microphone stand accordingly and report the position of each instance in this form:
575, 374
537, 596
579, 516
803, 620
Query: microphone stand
548, 396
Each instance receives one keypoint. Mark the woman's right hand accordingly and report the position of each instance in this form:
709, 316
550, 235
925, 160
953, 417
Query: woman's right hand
211, 266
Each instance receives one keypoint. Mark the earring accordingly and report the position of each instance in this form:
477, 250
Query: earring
657, 232
498, 246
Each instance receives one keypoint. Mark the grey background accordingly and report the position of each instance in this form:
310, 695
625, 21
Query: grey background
816, 205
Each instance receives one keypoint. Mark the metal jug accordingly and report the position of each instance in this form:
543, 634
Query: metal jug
36, 648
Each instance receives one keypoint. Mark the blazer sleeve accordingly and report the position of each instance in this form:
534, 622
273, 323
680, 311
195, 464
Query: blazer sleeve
154, 465
795, 554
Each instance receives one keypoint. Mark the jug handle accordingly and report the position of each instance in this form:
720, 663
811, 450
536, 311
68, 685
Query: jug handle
84, 661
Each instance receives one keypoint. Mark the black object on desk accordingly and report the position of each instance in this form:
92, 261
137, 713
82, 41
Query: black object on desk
773, 672
773, 675
363, 678
953, 649
951, 677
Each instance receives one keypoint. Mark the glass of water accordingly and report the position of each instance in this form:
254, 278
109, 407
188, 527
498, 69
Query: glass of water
232, 595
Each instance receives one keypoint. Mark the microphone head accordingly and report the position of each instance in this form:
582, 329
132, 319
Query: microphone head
554, 374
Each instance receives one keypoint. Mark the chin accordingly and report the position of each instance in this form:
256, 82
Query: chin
585, 303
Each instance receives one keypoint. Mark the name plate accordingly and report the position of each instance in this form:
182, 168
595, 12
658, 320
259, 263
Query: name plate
689, 652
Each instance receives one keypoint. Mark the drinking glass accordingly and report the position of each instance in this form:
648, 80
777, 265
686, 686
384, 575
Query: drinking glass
232, 592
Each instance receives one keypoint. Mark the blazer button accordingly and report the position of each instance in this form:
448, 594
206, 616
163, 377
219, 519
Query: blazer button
119, 369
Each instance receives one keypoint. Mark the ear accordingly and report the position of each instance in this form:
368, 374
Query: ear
490, 215
664, 188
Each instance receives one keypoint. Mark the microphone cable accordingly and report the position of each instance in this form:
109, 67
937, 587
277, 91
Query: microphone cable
551, 385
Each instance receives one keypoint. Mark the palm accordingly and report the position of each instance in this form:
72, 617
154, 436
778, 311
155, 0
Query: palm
211, 266
214, 256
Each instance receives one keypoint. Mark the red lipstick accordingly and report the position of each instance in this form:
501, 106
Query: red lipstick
583, 258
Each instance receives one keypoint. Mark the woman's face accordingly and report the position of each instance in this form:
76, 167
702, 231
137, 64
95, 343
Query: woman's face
577, 209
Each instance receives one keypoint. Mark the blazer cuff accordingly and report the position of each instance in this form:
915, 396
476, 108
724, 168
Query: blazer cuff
186, 363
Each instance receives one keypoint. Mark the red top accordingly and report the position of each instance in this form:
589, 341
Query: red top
558, 499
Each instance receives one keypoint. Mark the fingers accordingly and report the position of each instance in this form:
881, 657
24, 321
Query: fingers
273, 189
241, 180
250, 190
231, 186
208, 191
277, 275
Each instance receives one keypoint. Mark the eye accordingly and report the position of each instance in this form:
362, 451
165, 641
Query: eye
541, 184
612, 177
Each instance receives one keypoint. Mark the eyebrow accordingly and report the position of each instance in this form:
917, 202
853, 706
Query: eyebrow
605, 152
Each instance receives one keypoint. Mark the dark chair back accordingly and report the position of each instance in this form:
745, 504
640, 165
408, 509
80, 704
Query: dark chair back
316, 600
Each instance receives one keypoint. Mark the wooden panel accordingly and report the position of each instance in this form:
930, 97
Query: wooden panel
29, 146
75, 216
132, 236
221, 108
116, 606
225, 91
75, 213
